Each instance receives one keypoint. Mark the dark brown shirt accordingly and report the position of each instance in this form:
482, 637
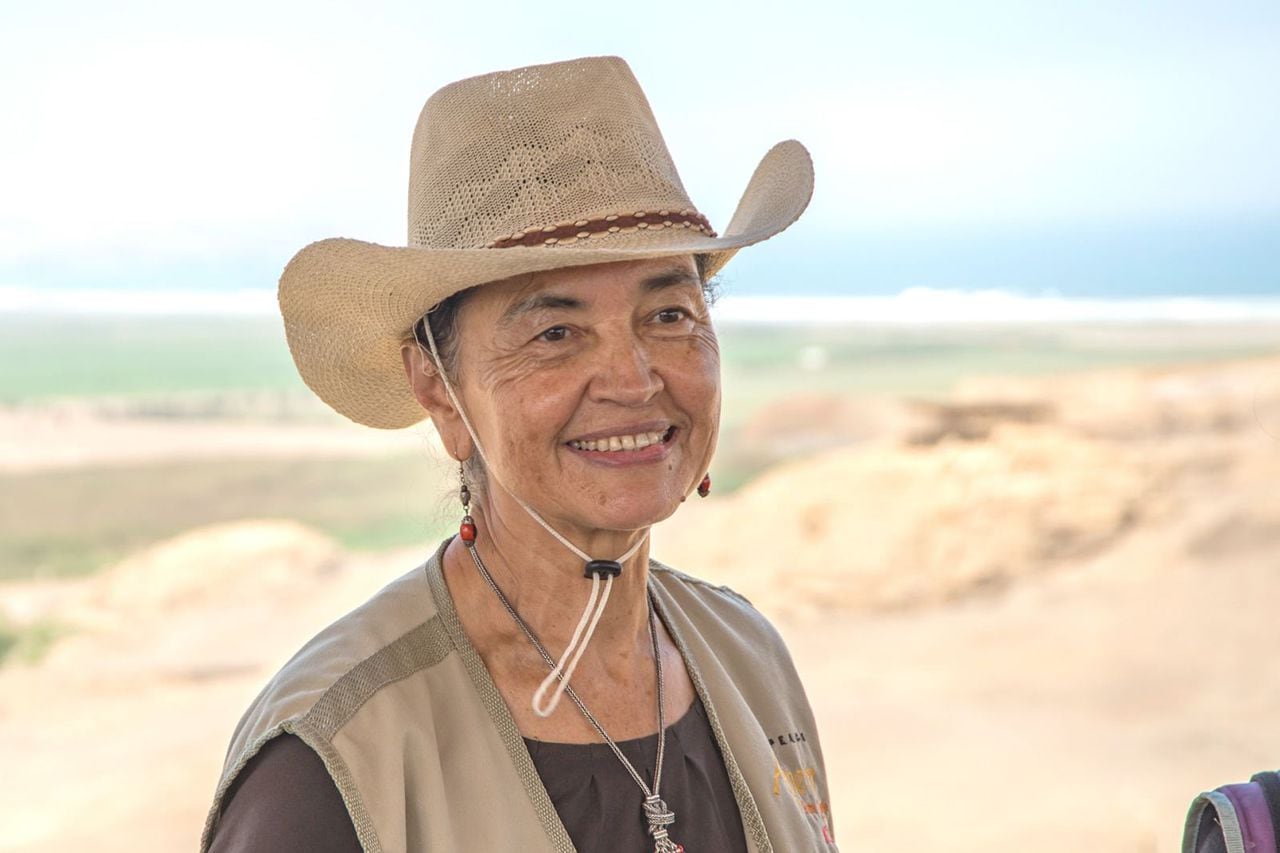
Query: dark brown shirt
284, 798
600, 804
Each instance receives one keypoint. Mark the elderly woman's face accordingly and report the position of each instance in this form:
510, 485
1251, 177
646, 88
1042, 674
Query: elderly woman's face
595, 391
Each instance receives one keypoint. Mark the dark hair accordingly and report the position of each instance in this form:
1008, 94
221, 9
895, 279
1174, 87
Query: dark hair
444, 318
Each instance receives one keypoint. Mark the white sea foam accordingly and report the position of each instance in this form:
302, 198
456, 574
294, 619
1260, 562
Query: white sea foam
928, 306
914, 306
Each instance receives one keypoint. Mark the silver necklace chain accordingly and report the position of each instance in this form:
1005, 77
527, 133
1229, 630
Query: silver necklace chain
656, 813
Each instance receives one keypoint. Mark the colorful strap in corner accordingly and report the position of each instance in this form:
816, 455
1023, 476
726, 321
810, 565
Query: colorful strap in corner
1269, 782
1248, 815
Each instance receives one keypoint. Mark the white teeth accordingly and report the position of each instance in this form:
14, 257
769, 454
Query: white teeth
619, 443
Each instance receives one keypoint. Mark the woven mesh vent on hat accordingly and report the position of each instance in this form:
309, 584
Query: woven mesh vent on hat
497, 154
494, 155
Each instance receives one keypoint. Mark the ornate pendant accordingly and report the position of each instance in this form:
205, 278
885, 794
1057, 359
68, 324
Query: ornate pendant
659, 818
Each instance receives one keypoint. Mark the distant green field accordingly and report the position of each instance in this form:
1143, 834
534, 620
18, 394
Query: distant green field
72, 522
163, 359
763, 365
44, 357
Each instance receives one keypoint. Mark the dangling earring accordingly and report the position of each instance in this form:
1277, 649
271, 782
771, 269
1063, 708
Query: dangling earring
466, 530
704, 488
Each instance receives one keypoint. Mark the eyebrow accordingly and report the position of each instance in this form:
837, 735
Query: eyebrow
540, 301
671, 278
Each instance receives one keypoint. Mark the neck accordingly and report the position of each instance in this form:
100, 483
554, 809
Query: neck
544, 582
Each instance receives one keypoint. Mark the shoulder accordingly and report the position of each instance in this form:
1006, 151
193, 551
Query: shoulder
672, 579
740, 656
325, 684
716, 608
321, 687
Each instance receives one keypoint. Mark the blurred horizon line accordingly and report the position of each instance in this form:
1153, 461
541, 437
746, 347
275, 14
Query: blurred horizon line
910, 306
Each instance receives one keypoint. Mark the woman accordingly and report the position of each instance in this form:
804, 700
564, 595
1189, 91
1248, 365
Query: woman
550, 317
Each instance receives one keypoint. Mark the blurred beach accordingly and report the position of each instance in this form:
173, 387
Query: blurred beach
1027, 565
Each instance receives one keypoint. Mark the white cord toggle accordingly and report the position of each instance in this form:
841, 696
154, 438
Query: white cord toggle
560, 675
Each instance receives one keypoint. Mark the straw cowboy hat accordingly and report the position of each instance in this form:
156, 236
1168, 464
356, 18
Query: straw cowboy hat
513, 172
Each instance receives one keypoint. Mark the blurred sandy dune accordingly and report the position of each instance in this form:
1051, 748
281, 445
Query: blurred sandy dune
71, 433
1040, 616
1011, 478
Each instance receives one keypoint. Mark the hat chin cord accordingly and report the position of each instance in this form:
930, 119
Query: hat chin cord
558, 680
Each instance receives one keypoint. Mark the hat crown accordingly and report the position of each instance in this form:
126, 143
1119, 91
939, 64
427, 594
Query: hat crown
501, 153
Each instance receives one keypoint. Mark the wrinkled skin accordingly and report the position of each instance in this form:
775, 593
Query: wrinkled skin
543, 361
605, 348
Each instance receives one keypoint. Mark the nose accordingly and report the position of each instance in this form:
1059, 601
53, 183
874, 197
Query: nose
624, 371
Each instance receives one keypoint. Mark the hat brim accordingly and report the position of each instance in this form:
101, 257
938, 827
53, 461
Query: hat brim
348, 304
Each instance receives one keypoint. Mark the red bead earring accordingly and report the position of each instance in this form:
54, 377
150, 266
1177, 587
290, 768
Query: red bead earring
704, 488
466, 530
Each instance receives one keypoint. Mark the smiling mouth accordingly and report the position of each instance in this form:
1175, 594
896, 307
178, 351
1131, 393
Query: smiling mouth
624, 443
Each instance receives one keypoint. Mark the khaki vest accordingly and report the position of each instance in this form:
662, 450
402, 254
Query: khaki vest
422, 748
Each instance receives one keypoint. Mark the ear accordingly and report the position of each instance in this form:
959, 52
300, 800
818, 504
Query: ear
429, 391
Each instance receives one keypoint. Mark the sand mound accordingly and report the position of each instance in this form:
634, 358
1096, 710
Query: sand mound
1012, 477
243, 559
163, 653
809, 422
1149, 402
1115, 403
150, 618
889, 526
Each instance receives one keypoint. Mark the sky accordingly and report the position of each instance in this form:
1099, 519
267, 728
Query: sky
1080, 148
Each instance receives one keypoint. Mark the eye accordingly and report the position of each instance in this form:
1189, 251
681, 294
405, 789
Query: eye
554, 334
671, 315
